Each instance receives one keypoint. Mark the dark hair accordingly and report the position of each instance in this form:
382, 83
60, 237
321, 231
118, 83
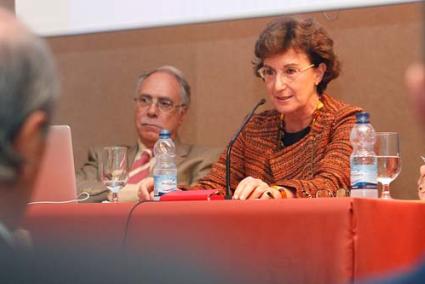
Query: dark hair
283, 34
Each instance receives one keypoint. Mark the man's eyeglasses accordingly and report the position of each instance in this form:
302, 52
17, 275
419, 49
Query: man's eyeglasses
289, 73
164, 104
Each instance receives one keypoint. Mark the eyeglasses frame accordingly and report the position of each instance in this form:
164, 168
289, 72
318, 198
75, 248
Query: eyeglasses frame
155, 100
291, 80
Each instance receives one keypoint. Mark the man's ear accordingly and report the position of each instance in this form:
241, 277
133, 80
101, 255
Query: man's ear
182, 115
30, 140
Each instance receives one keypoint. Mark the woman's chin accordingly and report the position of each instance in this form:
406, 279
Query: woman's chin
284, 109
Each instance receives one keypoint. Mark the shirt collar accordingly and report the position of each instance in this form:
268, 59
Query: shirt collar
141, 147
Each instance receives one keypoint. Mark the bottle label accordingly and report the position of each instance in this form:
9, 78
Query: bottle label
164, 184
363, 176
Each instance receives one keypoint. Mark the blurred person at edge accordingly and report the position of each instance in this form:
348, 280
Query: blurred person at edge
28, 90
415, 273
301, 148
162, 101
415, 81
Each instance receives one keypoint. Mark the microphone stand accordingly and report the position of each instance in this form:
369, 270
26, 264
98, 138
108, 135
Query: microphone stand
230, 146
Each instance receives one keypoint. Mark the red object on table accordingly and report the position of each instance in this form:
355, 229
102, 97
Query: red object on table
188, 195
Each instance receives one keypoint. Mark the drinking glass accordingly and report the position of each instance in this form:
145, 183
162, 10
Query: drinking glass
387, 150
114, 169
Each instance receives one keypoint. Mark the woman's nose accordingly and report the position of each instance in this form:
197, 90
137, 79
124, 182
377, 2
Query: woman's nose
279, 83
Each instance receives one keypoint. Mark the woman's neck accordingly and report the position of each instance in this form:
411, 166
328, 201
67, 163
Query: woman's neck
299, 120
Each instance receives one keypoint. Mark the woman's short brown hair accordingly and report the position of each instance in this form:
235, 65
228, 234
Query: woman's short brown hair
284, 33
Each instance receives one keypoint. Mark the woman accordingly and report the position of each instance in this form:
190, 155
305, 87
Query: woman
301, 148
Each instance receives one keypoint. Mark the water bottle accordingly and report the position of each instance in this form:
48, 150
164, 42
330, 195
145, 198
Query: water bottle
363, 161
164, 170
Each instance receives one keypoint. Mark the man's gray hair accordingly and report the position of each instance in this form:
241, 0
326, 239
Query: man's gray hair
28, 82
177, 74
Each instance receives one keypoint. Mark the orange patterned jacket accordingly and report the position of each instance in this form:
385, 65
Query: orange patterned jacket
319, 161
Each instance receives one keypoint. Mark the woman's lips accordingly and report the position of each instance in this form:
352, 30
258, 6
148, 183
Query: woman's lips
282, 98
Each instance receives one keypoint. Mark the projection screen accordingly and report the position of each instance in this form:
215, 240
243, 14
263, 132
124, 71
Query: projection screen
67, 17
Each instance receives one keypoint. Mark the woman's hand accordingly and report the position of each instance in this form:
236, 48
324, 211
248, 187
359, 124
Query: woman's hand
145, 191
254, 188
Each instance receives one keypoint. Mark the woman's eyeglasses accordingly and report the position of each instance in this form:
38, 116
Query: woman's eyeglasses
289, 73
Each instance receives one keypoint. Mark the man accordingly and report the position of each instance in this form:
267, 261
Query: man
28, 89
162, 101
415, 81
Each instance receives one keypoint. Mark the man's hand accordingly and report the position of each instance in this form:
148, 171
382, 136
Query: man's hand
146, 189
126, 194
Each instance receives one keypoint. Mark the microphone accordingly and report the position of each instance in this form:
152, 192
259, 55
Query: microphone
230, 146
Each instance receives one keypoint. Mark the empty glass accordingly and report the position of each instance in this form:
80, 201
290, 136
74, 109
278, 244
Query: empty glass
387, 150
114, 169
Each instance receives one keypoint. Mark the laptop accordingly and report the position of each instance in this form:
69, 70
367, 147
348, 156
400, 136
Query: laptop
56, 178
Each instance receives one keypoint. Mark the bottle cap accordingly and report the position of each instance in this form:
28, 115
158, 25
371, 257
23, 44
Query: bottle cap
164, 134
362, 117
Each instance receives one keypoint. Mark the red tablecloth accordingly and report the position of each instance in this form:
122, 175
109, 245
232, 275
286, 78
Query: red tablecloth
274, 241
96, 225
295, 241
388, 235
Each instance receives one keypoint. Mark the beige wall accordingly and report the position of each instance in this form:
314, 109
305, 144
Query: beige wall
8, 4
99, 72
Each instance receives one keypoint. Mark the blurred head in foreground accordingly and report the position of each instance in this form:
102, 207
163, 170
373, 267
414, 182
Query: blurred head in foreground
28, 88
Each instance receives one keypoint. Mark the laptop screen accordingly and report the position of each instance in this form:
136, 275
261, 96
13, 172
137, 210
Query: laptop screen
56, 178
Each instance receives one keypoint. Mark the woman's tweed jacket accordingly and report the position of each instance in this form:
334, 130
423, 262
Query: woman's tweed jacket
318, 162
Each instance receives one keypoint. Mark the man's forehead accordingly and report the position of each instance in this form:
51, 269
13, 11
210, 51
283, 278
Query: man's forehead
160, 84
159, 97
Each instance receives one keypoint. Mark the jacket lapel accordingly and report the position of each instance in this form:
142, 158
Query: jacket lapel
182, 150
297, 161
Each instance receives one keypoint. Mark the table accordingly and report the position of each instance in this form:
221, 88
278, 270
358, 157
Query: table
387, 235
96, 225
272, 241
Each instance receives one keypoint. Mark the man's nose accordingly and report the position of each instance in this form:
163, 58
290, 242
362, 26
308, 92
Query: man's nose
153, 109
